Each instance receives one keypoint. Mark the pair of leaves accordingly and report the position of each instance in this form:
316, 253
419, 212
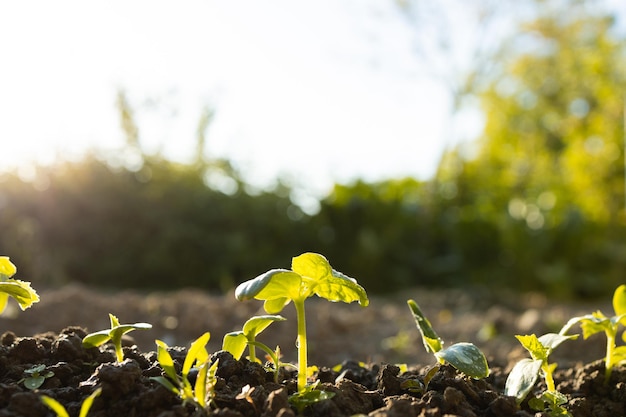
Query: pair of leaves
21, 291
114, 334
310, 274
525, 373
197, 356
236, 342
60, 411
465, 357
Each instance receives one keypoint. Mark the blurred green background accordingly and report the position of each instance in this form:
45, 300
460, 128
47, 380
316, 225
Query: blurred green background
537, 203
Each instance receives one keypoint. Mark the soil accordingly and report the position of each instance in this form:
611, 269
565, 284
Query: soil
368, 345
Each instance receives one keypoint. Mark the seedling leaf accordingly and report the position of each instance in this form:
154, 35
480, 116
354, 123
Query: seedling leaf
466, 358
522, 378
275, 284
55, 406
432, 342
84, 408
165, 360
235, 343
197, 353
96, 339
619, 303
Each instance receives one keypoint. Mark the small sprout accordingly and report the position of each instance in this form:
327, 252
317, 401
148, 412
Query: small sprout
465, 357
525, 373
35, 377
596, 322
246, 394
21, 291
308, 396
114, 334
310, 274
236, 342
202, 392
60, 411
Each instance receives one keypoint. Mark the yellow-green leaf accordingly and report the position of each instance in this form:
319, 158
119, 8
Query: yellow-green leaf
7, 268
21, 291
275, 283
257, 324
339, 287
86, 406
311, 265
197, 353
235, 343
55, 406
619, 302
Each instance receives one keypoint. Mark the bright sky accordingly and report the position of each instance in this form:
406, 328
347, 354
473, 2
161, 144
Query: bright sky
322, 90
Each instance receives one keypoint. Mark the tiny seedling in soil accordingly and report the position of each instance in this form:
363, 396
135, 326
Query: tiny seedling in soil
201, 393
525, 373
236, 342
310, 274
35, 376
465, 357
21, 291
60, 411
114, 334
596, 322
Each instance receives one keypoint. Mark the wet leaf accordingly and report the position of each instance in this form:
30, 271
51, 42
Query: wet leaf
466, 358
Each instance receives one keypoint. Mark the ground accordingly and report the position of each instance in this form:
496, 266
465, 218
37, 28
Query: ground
381, 336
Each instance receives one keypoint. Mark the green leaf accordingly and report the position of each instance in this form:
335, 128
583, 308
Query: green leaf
197, 353
165, 360
340, 287
34, 382
235, 343
552, 340
166, 383
257, 324
311, 265
200, 385
522, 378
21, 291
96, 339
432, 342
619, 354
55, 406
619, 302
594, 323
7, 268
466, 358
86, 406
274, 284
532, 344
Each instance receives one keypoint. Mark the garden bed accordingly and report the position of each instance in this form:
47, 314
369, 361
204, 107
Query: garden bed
368, 344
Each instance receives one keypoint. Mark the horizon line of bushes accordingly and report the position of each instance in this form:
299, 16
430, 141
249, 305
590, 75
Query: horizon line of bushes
160, 226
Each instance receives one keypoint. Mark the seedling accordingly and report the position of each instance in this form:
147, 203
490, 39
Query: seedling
596, 322
311, 274
465, 357
60, 411
35, 376
236, 342
525, 373
114, 334
21, 291
201, 393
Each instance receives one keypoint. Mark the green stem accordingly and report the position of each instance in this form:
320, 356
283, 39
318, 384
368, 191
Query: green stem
549, 379
252, 348
608, 361
301, 343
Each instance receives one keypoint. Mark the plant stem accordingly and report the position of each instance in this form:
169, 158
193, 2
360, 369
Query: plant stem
608, 361
252, 349
547, 372
301, 343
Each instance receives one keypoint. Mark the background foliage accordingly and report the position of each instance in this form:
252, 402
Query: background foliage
537, 203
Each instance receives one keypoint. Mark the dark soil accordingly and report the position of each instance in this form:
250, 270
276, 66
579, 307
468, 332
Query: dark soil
380, 336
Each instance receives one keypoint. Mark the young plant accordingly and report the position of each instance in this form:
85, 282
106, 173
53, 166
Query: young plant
525, 373
21, 291
236, 342
465, 357
201, 393
35, 376
60, 411
114, 334
596, 322
310, 274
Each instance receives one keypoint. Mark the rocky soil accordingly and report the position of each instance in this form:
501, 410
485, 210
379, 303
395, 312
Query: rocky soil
368, 343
